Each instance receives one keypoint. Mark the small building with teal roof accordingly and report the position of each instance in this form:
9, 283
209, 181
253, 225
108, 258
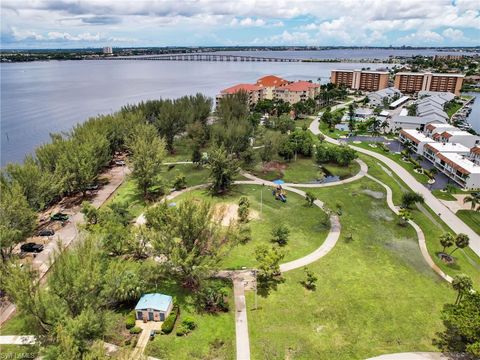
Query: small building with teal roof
153, 307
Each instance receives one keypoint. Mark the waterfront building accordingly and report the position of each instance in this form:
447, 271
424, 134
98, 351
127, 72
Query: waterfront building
457, 136
365, 80
412, 82
377, 98
415, 138
460, 169
412, 122
107, 50
255, 92
435, 128
297, 91
475, 154
269, 83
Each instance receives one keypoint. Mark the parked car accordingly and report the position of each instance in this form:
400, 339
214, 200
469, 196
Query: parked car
32, 247
59, 217
46, 232
152, 334
92, 187
120, 162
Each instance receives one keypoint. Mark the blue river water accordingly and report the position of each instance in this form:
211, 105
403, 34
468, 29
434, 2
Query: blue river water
39, 98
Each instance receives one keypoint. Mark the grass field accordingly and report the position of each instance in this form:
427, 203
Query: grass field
128, 192
305, 170
375, 293
466, 260
443, 195
471, 218
308, 228
214, 337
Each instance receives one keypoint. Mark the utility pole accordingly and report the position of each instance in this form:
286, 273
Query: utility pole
255, 274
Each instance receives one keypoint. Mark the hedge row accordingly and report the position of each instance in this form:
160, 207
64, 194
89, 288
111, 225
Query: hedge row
169, 323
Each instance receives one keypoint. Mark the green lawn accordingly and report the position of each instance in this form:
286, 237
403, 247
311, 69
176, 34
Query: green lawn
471, 218
453, 108
304, 170
466, 260
308, 228
375, 293
443, 195
128, 192
398, 159
214, 337
335, 133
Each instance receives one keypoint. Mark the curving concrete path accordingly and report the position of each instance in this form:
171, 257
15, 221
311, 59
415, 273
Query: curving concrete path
453, 221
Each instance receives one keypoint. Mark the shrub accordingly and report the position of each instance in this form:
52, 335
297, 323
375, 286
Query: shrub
180, 182
135, 330
310, 198
169, 323
130, 320
212, 298
280, 234
182, 330
189, 323
410, 198
244, 234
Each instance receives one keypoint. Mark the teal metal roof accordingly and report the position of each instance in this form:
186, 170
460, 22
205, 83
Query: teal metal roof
156, 301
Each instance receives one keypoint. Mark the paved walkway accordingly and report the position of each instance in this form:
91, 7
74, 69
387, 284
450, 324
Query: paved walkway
457, 225
241, 323
413, 356
17, 340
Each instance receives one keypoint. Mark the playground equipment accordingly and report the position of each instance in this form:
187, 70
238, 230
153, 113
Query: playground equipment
279, 194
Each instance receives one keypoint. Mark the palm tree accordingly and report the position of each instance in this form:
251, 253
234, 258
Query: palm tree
446, 240
461, 241
474, 200
463, 284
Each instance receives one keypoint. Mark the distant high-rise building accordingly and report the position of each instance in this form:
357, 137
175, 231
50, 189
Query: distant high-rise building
366, 80
107, 50
412, 82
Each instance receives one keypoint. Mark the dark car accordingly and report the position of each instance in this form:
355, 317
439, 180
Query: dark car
32, 247
152, 334
92, 187
46, 232
59, 216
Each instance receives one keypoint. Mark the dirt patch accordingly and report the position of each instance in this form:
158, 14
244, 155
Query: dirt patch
227, 214
380, 214
374, 194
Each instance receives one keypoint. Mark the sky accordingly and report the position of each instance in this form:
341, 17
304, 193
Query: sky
137, 23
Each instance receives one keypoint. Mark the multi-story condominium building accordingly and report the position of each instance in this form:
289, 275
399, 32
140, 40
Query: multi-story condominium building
366, 80
272, 87
475, 154
377, 98
411, 82
107, 50
255, 92
460, 169
297, 91
269, 83
432, 149
435, 128
457, 136
416, 139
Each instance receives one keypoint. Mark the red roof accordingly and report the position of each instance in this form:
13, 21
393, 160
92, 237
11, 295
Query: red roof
431, 127
271, 80
245, 87
446, 135
300, 86
436, 136
475, 150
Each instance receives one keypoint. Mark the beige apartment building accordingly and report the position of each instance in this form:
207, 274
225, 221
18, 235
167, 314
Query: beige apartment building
297, 91
410, 82
366, 80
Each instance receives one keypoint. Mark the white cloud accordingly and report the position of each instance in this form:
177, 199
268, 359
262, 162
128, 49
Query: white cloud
453, 34
247, 22
421, 37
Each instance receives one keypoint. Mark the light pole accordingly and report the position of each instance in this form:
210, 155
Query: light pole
255, 275
261, 199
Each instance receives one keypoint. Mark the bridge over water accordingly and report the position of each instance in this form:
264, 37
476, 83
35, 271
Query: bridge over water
203, 57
